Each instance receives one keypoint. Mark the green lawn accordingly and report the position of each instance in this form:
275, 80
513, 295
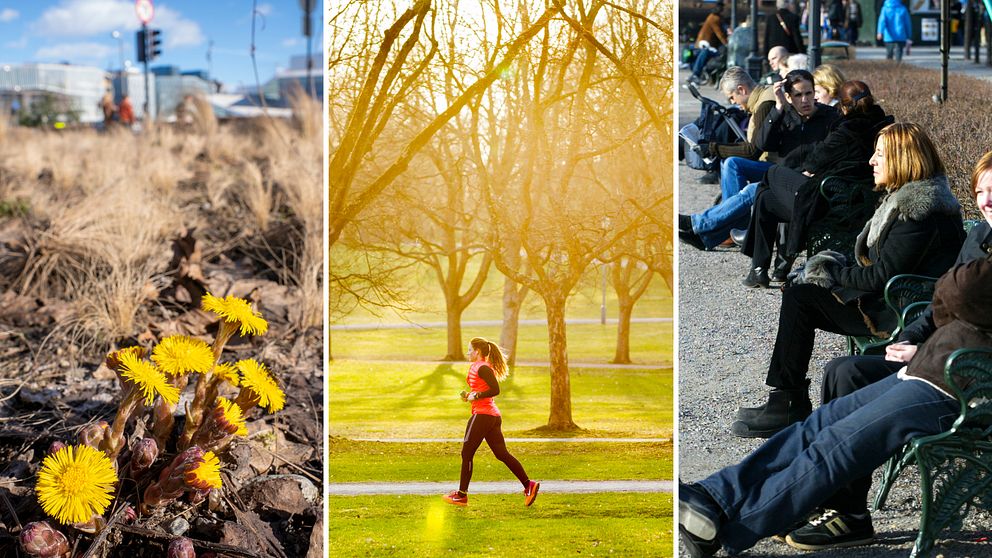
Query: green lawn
650, 343
398, 400
352, 461
499, 525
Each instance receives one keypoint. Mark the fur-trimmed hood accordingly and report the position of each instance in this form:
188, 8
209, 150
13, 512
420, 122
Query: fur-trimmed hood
915, 201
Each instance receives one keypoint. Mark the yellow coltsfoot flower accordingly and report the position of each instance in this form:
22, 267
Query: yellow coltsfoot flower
148, 379
220, 425
75, 483
227, 372
258, 387
178, 354
206, 474
237, 311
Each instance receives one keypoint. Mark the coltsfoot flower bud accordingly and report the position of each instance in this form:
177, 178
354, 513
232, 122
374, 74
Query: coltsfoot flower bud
41, 540
181, 548
92, 434
55, 447
144, 453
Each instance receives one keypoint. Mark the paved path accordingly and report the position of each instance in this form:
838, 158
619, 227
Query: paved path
929, 57
485, 323
507, 487
518, 440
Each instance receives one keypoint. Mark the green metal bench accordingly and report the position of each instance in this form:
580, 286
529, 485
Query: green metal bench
902, 295
955, 466
849, 205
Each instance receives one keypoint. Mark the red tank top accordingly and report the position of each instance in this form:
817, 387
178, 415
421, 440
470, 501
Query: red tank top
485, 406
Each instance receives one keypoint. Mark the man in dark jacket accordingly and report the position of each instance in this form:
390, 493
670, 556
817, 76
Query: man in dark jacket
798, 123
782, 29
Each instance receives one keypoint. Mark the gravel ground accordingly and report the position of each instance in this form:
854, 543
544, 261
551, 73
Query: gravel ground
726, 334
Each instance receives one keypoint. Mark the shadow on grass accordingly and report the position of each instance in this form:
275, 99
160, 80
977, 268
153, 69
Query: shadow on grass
433, 384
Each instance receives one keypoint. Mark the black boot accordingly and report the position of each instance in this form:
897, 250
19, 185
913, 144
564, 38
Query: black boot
783, 265
757, 277
749, 413
784, 407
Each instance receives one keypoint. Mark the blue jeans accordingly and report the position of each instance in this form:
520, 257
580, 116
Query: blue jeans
894, 49
738, 172
801, 466
713, 225
702, 55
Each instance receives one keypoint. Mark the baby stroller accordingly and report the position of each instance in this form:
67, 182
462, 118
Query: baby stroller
716, 123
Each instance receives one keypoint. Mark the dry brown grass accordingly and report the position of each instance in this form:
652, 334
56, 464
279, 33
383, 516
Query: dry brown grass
104, 208
961, 128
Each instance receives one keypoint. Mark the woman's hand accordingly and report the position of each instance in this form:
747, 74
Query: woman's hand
900, 352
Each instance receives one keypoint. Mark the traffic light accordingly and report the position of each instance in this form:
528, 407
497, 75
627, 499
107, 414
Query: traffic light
142, 46
149, 44
155, 44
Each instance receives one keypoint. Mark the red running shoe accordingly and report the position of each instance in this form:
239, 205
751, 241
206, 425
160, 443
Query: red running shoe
530, 493
457, 499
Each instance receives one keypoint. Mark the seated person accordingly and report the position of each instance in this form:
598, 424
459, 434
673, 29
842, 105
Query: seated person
798, 62
788, 195
785, 129
917, 228
845, 375
828, 81
775, 57
711, 35
791, 474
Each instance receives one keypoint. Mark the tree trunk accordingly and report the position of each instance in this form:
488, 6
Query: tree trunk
561, 388
513, 298
622, 355
455, 351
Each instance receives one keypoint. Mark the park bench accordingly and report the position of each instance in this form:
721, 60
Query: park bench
908, 296
845, 206
955, 466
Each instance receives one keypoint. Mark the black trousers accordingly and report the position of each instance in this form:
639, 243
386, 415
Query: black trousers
842, 376
773, 204
805, 309
488, 428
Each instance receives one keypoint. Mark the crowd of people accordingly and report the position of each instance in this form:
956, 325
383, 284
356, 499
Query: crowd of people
807, 484
784, 29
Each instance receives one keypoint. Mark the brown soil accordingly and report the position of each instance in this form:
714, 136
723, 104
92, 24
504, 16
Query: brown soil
52, 383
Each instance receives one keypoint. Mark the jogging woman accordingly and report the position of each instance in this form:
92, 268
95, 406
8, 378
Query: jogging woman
488, 367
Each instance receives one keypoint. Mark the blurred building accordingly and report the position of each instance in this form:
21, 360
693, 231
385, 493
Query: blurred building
77, 88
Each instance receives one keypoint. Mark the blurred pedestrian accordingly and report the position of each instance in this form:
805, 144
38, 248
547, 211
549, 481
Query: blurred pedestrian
782, 29
126, 111
894, 28
854, 21
109, 109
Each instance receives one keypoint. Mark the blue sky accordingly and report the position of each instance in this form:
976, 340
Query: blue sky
80, 32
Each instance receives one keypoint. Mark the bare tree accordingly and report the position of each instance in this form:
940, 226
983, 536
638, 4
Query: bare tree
369, 147
562, 217
389, 81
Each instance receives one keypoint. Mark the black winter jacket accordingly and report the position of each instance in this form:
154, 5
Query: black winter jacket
977, 245
775, 35
844, 153
916, 229
786, 133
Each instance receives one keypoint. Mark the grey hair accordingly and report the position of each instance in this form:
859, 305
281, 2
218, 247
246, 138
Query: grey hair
799, 62
783, 4
734, 77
